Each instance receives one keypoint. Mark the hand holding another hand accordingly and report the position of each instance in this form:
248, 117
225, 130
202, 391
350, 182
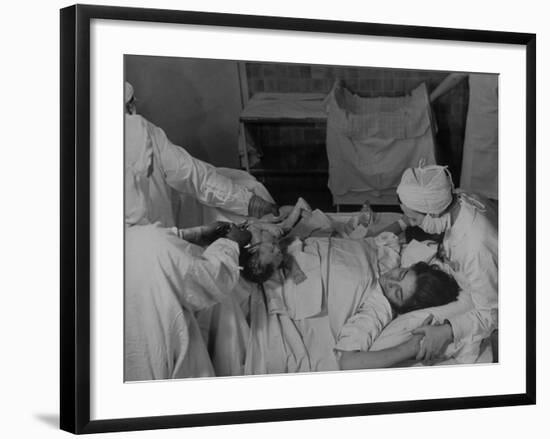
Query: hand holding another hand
436, 339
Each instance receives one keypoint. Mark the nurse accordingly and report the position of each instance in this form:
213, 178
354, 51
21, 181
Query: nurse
157, 171
168, 280
470, 247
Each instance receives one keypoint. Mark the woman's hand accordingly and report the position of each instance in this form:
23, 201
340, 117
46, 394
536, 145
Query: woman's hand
415, 343
436, 340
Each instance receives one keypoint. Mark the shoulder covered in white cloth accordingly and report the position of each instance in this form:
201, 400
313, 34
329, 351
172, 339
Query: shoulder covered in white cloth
399, 330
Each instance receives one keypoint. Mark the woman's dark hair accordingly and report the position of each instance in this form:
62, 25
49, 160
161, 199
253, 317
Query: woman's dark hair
252, 269
434, 287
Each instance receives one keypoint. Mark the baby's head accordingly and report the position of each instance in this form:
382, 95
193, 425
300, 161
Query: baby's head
260, 261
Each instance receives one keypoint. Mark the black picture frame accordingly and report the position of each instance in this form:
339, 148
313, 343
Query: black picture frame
75, 217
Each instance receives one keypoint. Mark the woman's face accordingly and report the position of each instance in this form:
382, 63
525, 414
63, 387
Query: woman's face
398, 285
270, 253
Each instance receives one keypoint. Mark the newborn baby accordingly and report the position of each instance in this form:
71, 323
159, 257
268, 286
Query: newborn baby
266, 252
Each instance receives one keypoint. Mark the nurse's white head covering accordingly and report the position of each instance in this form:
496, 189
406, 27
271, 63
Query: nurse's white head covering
426, 189
128, 92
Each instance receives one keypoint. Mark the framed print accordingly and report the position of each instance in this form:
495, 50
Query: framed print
286, 218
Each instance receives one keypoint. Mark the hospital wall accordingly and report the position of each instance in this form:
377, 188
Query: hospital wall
198, 103
450, 110
195, 101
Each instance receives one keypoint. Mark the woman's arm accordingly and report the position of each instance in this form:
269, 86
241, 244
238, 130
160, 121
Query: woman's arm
379, 359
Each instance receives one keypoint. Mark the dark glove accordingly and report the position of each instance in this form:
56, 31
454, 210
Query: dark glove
240, 235
215, 230
258, 207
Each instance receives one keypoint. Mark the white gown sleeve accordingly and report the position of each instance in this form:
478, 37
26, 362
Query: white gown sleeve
216, 273
362, 328
199, 278
481, 270
191, 176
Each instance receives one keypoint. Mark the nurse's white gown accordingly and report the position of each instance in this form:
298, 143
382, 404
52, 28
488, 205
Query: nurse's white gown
167, 280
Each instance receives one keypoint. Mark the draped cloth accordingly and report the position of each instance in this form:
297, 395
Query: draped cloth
299, 327
480, 159
371, 141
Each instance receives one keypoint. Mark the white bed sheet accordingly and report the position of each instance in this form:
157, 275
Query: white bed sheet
395, 333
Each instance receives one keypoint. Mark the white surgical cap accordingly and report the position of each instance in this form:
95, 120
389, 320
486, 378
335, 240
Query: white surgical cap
128, 92
426, 189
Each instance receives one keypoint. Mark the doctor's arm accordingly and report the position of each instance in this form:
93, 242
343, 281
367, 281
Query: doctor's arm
208, 277
213, 275
188, 175
482, 274
205, 234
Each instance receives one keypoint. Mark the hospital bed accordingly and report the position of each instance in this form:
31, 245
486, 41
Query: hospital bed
271, 341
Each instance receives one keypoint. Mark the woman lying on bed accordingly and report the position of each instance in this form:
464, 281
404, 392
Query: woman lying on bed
330, 316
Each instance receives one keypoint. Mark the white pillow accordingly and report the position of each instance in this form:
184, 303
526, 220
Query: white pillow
399, 330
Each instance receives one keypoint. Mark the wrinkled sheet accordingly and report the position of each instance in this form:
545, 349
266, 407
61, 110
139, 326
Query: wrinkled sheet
295, 328
293, 332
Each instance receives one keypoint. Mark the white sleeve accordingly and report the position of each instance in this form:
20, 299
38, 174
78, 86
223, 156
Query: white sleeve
481, 271
362, 328
199, 278
216, 272
191, 176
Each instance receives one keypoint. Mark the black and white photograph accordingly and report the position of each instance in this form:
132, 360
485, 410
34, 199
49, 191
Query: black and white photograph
275, 219
282, 218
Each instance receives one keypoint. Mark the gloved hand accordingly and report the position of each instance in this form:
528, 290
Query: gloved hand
217, 229
205, 235
258, 207
240, 235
